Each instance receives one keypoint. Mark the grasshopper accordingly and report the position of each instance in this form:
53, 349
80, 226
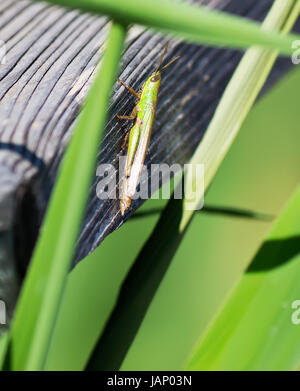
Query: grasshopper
139, 136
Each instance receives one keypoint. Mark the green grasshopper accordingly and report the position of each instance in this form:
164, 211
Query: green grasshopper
140, 133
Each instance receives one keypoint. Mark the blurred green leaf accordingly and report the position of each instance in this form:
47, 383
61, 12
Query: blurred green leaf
42, 291
194, 23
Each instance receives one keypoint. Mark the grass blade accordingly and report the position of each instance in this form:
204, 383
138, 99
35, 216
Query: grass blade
42, 291
194, 23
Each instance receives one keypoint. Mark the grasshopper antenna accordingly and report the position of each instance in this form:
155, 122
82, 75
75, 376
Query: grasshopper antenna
161, 58
169, 63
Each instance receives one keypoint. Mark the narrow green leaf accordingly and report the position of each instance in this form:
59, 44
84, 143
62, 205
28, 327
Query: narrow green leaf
257, 329
194, 23
3, 348
42, 291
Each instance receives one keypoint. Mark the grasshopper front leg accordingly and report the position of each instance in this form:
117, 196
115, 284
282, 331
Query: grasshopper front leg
129, 89
131, 116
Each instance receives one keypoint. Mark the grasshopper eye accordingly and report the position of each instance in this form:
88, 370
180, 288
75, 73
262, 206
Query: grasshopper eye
154, 78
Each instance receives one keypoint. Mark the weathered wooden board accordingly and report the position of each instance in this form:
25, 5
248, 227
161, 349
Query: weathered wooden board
51, 58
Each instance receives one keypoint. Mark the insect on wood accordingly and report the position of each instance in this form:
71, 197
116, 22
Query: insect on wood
140, 133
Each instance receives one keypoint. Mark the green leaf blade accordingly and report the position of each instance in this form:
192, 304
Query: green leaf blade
194, 23
41, 295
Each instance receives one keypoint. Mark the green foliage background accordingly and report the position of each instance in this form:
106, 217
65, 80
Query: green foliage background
61, 316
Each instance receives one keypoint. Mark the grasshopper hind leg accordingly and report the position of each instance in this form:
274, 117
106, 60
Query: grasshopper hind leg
123, 146
131, 116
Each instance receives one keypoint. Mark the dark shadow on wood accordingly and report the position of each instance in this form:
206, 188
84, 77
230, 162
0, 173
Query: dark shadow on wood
26, 154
